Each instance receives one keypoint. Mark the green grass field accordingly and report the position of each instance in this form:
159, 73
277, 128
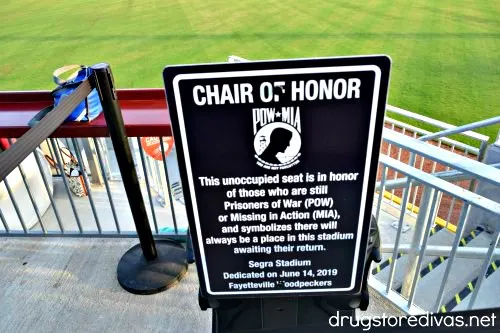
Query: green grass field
445, 53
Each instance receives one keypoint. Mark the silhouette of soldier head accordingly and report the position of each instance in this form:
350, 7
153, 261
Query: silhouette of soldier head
279, 140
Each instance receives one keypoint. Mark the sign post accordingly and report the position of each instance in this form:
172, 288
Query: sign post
280, 161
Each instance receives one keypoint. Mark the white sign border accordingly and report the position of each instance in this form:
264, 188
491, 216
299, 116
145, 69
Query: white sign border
288, 71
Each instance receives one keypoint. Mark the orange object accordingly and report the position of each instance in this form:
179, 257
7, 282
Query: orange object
5, 144
151, 146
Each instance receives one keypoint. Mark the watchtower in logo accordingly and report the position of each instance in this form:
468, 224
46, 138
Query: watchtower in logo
277, 138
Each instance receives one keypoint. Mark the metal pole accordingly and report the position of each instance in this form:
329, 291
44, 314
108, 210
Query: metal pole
102, 143
87, 183
4, 222
148, 185
169, 189
445, 250
456, 243
150, 267
60, 166
151, 173
480, 158
116, 127
89, 148
429, 223
51, 154
484, 269
418, 236
16, 207
460, 129
450, 176
404, 204
106, 184
47, 188
159, 184
32, 199
381, 192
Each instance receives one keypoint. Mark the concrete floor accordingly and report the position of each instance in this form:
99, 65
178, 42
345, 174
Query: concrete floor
69, 285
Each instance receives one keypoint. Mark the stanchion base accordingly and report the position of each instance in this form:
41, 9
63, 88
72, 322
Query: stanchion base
139, 276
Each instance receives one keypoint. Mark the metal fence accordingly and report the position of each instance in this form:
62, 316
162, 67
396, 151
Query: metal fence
41, 198
419, 248
449, 208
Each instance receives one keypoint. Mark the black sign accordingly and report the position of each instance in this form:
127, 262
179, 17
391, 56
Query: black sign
278, 161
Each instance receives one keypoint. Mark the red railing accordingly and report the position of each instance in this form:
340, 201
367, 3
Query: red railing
144, 112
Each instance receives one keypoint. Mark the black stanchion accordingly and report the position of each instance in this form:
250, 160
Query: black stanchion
149, 267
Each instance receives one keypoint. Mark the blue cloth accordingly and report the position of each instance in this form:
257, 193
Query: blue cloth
88, 109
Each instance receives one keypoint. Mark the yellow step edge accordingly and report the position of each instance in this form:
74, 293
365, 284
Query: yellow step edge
414, 209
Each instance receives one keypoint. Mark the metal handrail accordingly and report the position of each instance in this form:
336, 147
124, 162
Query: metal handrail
461, 129
144, 112
479, 170
447, 141
472, 198
451, 176
428, 210
440, 250
435, 122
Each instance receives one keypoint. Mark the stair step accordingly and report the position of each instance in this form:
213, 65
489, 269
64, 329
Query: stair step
387, 257
487, 296
442, 237
426, 269
463, 271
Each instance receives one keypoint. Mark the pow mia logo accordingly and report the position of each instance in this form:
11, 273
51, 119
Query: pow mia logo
277, 138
